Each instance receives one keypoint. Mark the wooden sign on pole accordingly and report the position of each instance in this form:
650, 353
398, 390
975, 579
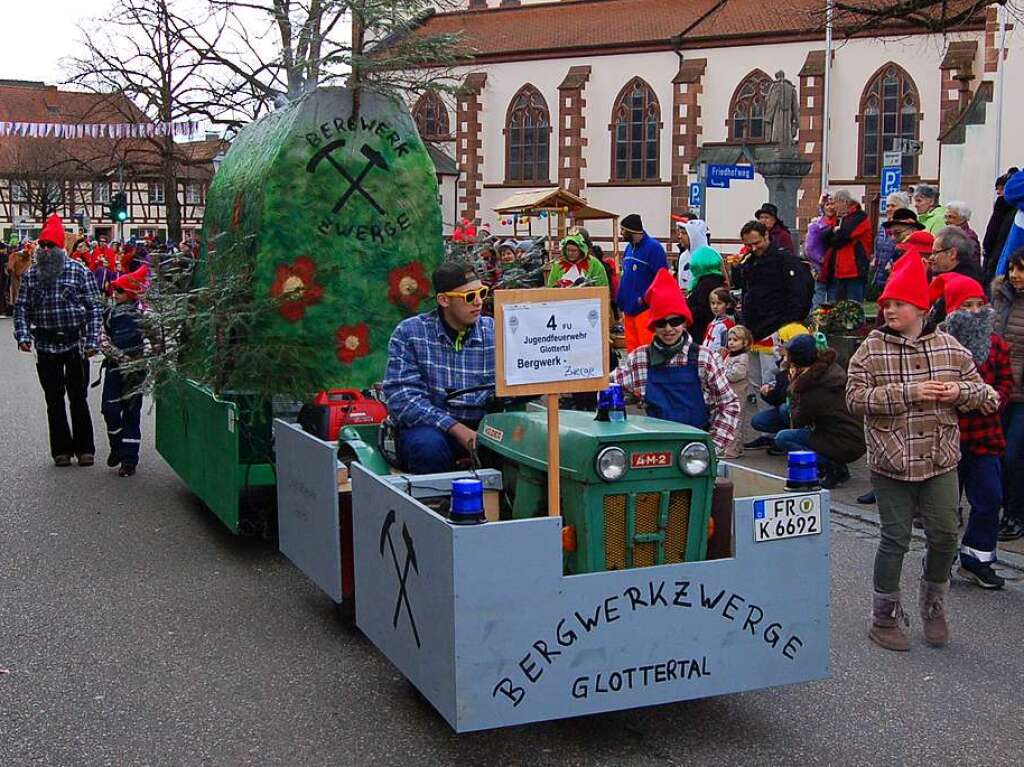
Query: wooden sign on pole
551, 341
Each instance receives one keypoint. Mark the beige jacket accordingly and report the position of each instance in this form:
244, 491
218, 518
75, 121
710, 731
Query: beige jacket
909, 440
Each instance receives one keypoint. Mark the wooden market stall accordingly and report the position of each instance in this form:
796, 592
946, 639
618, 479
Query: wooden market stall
559, 207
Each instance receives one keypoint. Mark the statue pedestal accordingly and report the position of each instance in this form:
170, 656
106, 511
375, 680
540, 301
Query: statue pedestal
783, 169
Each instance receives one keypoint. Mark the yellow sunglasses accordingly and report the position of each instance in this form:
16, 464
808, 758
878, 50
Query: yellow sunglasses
470, 296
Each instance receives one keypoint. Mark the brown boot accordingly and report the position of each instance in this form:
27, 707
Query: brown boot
887, 622
932, 600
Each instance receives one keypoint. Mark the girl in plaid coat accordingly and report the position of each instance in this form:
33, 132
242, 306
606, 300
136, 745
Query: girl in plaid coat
909, 380
982, 444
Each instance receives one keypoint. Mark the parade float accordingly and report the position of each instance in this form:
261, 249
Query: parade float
322, 227
510, 593
583, 562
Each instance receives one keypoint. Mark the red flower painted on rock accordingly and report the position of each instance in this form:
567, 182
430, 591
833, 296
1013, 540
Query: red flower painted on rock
408, 285
295, 286
353, 342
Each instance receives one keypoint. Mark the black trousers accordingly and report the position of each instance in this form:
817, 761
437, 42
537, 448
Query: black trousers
66, 373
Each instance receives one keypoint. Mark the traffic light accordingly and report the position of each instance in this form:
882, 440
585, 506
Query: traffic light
119, 207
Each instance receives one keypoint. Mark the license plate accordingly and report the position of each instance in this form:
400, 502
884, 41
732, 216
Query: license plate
787, 516
650, 460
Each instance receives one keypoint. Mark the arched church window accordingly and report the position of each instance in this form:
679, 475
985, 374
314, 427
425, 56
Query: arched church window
527, 137
636, 131
746, 110
431, 117
889, 110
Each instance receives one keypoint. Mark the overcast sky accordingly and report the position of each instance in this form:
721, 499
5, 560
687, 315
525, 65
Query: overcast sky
37, 33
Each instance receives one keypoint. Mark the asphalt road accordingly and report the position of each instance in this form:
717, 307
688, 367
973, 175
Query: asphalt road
134, 630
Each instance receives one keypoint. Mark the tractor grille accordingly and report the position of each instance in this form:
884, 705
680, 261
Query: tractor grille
645, 523
615, 532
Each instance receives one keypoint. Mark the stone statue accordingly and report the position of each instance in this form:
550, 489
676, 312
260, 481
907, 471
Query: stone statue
782, 111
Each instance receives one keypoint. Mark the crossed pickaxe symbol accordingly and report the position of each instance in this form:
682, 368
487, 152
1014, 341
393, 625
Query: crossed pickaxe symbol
401, 572
375, 160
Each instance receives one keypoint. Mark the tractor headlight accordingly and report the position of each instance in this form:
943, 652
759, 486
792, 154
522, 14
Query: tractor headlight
610, 464
694, 458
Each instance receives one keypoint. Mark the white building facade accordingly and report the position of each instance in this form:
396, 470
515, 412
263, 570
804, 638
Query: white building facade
619, 100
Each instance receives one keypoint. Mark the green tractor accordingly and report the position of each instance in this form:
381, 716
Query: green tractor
634, 493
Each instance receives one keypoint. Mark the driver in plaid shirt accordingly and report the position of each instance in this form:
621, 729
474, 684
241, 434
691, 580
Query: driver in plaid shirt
432, 355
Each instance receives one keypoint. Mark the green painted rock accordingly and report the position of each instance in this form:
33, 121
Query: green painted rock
334, 223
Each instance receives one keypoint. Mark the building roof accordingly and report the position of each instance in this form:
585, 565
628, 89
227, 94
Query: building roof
552, 199
573, 27
36, 102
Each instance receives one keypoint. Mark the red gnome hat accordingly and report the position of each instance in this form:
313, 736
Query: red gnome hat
918, 244
53, 231
666, 299
937, 288
132, 283
908, 282
958, 288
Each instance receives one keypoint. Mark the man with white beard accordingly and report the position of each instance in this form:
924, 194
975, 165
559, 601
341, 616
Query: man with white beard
58, 311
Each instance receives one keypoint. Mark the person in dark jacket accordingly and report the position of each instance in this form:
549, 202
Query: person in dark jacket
817, 410
848, 254
773, 294
780, 235
998, 228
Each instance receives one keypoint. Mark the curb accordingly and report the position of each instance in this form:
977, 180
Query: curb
1006, 558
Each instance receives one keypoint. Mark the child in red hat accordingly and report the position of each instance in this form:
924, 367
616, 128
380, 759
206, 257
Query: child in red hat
970, 320
124, 341
909, 380
678, 379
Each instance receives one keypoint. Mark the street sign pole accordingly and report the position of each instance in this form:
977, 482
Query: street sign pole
702, 178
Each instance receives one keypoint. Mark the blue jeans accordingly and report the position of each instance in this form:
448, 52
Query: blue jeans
427, 450
982, 481
1013, 476
820, 295
789, 440
850, 290
772, 420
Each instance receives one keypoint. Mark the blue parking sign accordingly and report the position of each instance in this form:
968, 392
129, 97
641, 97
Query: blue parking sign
892, 178
695, 195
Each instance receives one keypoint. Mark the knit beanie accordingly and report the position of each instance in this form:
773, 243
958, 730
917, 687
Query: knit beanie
908, 282
632, 224
803, 351
665, 299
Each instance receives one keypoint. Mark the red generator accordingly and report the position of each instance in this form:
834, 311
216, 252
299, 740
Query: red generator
330, 410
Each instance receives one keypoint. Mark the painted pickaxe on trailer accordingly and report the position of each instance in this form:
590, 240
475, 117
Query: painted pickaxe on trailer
326, 153
402, 573
376, 160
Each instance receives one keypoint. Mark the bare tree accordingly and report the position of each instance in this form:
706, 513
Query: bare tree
853, 17
141, 50
272, 50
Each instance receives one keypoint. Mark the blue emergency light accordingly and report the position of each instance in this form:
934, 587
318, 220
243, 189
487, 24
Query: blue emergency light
467, 502
802, 470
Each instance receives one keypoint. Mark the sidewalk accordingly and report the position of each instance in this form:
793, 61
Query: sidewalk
844, 499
